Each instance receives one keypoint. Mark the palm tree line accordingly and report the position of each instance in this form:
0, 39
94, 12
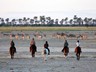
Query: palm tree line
48, 21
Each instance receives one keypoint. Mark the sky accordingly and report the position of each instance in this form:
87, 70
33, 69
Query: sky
52, 8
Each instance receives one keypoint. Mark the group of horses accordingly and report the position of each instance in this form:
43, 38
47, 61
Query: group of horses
12, 50
33, 49
77, 50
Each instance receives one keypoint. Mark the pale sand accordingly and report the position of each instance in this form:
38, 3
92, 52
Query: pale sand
55, 63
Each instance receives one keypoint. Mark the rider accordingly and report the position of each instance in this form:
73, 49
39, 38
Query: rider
78, 43
12, 44
46, 45
33, 45
78, 47
32, 42
65, 45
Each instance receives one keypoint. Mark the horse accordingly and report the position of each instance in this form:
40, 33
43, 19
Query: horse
12, 50
78, 52
65, 50
45, 54
33, 49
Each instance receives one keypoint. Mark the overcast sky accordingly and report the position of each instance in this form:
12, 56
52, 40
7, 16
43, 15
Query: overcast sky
55, 8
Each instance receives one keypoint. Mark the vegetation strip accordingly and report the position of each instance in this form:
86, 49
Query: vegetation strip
47, 28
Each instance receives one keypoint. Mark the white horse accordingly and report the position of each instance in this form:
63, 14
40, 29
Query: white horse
45, 54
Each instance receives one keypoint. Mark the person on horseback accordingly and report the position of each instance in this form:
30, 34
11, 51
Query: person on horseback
65, 49
45, 51
46, 45
32, 42
33, 47
78, 49
12, 43
12, 49
78, 43
65, 45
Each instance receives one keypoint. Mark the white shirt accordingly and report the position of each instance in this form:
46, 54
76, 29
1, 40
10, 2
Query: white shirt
78, 44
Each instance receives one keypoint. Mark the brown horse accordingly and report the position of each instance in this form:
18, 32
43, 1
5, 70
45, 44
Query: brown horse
12, 50
78, 52
65, 50
33, 49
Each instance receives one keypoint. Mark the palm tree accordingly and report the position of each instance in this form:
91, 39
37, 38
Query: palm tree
86, 20
20, 21
2, 22
90, 21
75, 19
42, 19
7, 21
24, 20
13, 22
56, 21
31, 21
71, 21
79, 21
35, 19
52, 21
94, 21
48, 19
66, 20
62, 21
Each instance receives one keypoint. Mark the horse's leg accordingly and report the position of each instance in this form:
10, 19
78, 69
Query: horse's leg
45, 57
11, 53
78, 56
11, 57
64, 55
48, 51
33, 54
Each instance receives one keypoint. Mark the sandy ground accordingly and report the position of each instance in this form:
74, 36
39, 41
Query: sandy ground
55, 63
23, 62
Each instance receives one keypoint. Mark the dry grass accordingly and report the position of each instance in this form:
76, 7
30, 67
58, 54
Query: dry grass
47, 28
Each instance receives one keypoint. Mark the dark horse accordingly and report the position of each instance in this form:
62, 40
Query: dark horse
33, 49
65, 50
78, 52
12, 50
